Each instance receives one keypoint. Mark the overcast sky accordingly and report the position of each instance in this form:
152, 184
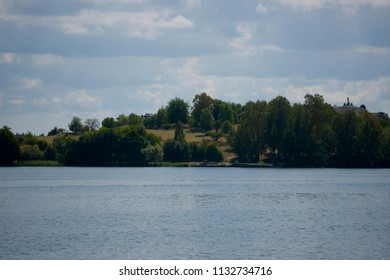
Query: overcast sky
102, 58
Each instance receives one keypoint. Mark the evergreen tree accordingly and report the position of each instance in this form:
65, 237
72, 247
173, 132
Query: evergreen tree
179, 133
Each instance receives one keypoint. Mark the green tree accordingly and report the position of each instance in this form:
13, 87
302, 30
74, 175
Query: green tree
179, 133
197, 151
108, 122
222, 111
206, 120
135, 119
370, 141
56, 131
9, 147
310, 140
50, 153
161, 117
31, 153
62, 145
250, 137
175, 151
177, 110
92, 124
386, 146
347, 127
320, 139
212, 154
278, 121
153, 153
200, 102
122, 120
227, 128
75, 125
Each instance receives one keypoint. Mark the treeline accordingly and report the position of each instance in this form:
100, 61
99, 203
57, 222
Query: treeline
311, 134
131, 145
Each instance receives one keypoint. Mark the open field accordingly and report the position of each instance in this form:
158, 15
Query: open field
189, 136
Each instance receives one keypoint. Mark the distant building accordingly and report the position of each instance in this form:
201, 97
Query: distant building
350, 107
358, 110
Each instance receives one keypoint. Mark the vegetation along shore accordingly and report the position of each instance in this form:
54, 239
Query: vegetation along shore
214, 133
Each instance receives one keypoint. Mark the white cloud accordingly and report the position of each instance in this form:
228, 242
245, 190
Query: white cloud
41, 102
135, 24
373, 50
17, 102
244, 43
153, 94
29, 83
110, 2
350, 5
47, 59
262, 9
194, 3
81, 97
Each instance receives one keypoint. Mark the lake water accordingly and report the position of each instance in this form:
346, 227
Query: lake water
194, 213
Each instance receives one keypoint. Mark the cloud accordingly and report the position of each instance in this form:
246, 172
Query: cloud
194, 3
245, 44
17, 102
111, 2
9, 58
145, 25
29, 83
81, 97
262, 9
373, 50
309, 5
47, 60
41, 102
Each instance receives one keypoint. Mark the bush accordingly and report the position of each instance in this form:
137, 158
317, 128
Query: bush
31, 153
175, 151
212, 154
167, 126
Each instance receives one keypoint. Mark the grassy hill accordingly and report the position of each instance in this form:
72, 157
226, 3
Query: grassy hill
190, 136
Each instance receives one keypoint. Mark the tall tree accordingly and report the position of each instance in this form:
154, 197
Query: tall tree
250, 138
370, 141
200, 102
9, 147
161, 117
179, 133
206, 120
278, 121
75, 125
347, 127
177, 110
122, 120
92, 124
108, 122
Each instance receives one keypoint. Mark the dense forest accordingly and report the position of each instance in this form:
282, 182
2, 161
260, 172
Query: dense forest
312, 134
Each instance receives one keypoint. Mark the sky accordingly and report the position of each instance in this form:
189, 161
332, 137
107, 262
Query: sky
103, 58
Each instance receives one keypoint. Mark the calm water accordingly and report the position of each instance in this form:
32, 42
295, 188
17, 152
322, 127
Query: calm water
194, 213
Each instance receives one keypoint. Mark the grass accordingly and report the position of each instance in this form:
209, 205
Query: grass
189, 136
50, 163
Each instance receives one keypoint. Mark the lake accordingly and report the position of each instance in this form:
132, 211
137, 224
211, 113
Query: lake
194, 213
